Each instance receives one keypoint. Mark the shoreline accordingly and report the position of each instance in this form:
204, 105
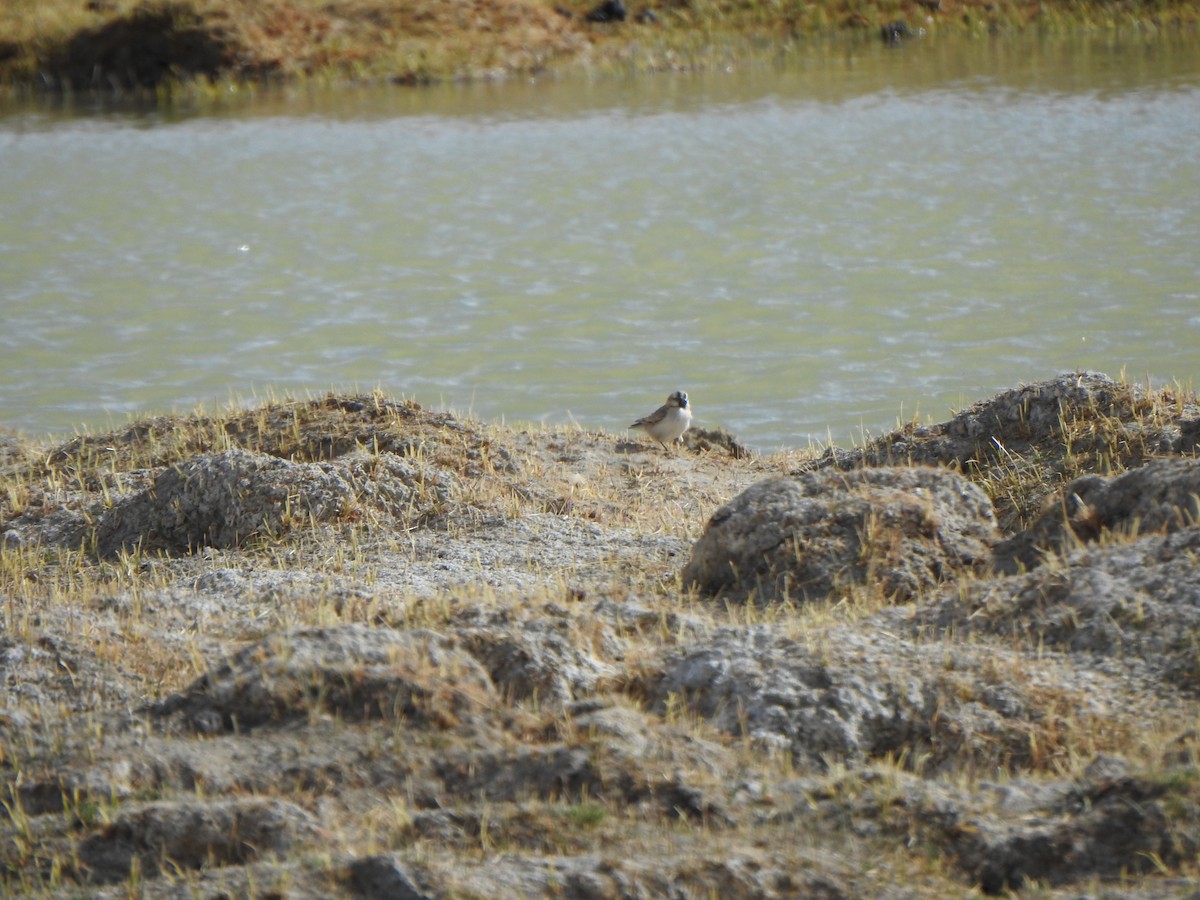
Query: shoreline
202, 46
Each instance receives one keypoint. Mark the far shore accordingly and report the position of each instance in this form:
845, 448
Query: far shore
165, 46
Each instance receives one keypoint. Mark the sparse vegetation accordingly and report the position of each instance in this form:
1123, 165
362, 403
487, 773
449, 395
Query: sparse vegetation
483, 672
162, 45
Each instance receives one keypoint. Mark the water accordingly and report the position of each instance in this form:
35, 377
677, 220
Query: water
849, 237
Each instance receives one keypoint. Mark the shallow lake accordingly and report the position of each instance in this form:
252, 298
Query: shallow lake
850, 236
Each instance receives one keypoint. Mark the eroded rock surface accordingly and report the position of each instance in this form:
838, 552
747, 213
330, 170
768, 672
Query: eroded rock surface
1161, 496
856, 696
352, 671
189, 834
1017, 420
380, 651
812, 535
222, 500
1109, 823
1137, 602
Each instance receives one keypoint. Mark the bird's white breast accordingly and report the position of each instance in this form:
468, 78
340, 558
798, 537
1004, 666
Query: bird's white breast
673, 424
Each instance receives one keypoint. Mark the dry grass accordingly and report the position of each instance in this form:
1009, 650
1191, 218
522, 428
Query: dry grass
1025, 468
504, 476
137, 635
1091, 441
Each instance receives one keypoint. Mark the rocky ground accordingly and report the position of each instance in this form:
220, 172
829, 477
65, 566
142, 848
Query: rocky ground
353, 647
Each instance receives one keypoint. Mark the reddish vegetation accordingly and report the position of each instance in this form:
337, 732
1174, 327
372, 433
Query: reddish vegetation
62, 44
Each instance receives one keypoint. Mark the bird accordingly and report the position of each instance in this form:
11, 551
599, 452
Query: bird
669, 421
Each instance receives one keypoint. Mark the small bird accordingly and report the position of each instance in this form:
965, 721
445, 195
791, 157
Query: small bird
668, 422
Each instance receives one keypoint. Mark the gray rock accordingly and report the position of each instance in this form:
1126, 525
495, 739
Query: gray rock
774, 690
1020, 438
221, 500
382, 878
57, 668
1135, 601
13, 446
538, 659
62, 527
806, 537
1161, 496
352, 670
105, 782
1107, 824
407, 490
1036, 409
1102, 828
860, 694
632, 617
595, 877
543, 772
1012, 419
190, 834
624, 731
